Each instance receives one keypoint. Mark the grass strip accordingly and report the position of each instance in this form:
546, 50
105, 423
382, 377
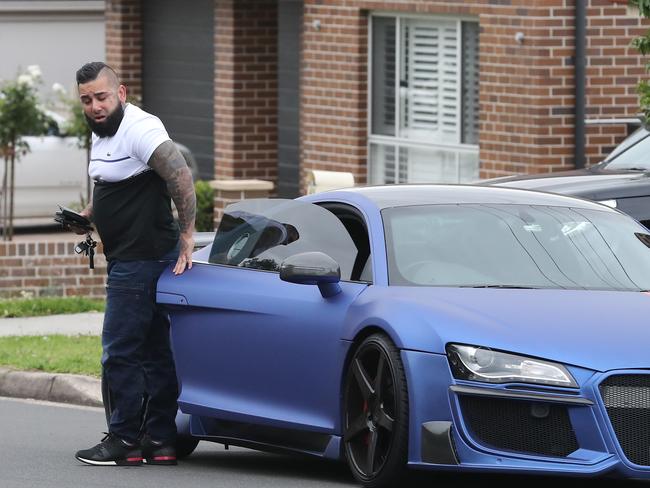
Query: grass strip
53, 353
32, 307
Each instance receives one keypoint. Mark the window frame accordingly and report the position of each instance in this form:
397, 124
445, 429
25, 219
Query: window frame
341, 209
398, 142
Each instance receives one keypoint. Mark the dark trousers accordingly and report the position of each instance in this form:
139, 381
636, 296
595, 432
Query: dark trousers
137, 356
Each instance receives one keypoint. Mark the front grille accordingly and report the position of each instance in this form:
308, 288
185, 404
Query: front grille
627, 400
522, 426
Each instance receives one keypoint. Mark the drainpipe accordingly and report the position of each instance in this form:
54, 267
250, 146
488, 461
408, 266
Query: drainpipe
580, 73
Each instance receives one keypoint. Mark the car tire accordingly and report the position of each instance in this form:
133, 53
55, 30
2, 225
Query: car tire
375, 413
185, 445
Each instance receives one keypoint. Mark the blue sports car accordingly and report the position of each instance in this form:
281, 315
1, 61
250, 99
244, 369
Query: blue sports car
439, 327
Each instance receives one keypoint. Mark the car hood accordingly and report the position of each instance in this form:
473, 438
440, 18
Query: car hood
599, 330
592, 183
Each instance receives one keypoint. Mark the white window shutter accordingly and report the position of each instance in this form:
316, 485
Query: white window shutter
430, 84
450, 83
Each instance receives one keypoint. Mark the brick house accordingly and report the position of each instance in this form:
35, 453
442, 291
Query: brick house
392, 91
408, 90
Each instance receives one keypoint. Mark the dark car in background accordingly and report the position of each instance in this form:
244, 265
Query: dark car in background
622, 180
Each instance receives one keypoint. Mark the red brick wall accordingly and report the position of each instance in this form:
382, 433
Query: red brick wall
526, 90
533, 111
613, 71
49, 268
333, 105
124, 42
526, 97
245, 105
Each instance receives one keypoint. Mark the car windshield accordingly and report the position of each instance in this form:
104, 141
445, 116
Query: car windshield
632, 153
516, 246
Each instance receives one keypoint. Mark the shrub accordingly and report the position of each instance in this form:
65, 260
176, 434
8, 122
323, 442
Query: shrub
204, 206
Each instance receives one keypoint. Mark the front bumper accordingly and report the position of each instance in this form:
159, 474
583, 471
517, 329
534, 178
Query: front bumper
460, 425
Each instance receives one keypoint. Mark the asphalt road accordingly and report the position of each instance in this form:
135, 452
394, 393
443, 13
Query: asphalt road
38, 441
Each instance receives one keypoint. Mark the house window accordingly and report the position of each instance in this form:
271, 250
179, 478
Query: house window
424, 100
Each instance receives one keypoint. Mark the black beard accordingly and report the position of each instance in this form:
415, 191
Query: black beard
109, 126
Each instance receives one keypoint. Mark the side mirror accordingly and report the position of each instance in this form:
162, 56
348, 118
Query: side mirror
312, 268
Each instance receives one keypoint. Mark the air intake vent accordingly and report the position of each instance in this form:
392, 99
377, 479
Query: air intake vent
522, 426
627, 400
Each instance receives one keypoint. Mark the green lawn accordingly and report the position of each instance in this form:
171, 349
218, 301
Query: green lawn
31, 307
53, 353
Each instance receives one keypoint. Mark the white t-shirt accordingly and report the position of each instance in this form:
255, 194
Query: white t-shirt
126, 153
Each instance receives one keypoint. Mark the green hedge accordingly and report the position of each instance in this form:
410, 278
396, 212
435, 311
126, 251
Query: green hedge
204, 206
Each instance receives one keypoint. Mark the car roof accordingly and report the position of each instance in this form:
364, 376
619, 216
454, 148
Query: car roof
402, 195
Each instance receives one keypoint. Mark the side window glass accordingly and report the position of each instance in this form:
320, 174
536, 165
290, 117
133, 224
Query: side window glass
355, 225
366, 271
261, 233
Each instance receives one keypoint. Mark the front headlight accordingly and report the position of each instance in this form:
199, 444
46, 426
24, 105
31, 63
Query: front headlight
483, 364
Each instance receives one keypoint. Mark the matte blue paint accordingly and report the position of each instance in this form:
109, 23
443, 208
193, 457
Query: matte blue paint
422, 194
587, 328
252, 348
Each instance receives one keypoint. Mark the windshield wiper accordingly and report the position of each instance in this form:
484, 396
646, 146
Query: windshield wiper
515, 287
634, 168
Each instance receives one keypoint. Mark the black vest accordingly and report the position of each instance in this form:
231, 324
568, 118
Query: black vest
134, 217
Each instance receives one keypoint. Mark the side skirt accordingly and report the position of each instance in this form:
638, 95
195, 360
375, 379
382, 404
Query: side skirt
265, 438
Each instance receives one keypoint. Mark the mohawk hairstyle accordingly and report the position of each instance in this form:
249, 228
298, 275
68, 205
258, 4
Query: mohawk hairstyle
90, 71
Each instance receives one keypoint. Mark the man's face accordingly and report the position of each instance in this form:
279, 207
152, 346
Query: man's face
102, 105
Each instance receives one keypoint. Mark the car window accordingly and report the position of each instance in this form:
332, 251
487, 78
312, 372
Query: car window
632, 153
261, 233
355, 225
516, 246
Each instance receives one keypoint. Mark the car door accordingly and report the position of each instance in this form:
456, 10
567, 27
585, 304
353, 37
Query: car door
250, 347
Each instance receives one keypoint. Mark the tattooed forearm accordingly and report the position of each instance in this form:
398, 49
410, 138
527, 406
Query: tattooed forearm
181, 189
169, 163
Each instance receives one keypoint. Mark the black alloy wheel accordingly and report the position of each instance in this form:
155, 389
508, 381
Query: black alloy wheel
185, 445
375, 413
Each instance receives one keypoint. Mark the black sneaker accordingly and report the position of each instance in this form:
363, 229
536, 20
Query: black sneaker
111, 451
155, 452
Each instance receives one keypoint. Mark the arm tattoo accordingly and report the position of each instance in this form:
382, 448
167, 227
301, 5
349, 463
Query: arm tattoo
169, 163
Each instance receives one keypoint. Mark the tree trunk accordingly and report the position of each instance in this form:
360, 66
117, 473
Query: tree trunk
12, 190
5, 213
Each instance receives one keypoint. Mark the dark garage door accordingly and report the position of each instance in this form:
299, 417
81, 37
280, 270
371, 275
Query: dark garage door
178, 73
289, 27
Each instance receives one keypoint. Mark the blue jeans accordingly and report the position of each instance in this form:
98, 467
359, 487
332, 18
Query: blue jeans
137, 356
